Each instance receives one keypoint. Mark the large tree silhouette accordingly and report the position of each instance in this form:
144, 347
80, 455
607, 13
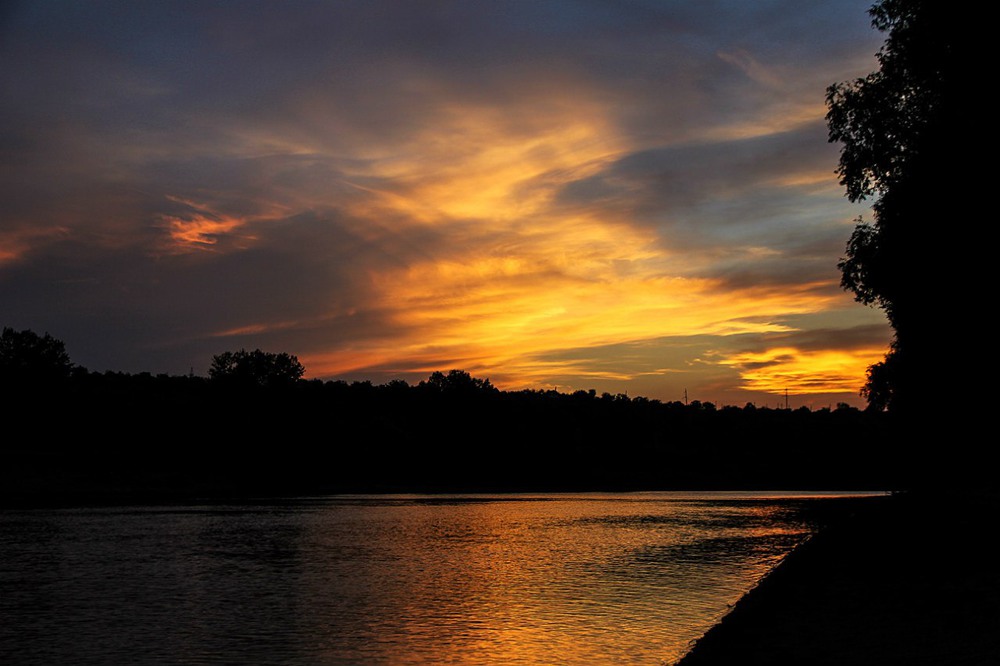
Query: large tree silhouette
899, 128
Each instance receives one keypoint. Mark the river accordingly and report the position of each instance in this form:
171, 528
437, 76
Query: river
570, 579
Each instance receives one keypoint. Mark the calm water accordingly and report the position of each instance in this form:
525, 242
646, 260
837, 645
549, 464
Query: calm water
506, 579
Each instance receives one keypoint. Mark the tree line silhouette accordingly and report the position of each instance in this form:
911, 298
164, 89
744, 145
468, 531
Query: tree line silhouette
255, 426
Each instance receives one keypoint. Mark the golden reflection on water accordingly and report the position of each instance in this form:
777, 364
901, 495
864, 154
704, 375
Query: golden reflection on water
564, 581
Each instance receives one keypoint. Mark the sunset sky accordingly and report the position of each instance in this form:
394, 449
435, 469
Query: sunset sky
632, 196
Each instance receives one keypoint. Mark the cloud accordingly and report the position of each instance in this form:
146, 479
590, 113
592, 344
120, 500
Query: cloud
389, 186
803, 372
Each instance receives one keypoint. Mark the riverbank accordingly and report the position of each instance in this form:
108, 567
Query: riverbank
913, 580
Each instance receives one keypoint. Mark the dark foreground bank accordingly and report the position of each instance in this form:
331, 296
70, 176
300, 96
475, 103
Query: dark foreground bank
911, 580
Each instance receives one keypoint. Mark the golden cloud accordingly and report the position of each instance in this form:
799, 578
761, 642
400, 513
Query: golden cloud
801, 372
517, 279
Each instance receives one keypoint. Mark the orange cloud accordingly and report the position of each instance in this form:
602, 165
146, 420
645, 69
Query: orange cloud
15, 244
503, 313
516, 278
202, 227
199, 231
485, 163
252, 329
801, 372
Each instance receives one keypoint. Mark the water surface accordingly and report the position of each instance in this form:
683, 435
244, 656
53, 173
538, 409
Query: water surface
501, 579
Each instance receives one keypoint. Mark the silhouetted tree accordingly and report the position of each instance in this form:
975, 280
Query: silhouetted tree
256, 368
879, 388
901, 130
457, 381
27, 358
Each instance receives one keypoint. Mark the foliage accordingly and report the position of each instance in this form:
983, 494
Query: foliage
882, 119
29, 358
881, 384
453, 432
457, 382
256, 368
896, 128
206, 436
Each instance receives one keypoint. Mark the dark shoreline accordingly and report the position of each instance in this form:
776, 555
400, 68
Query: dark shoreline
119, 498
910, 580
99, 437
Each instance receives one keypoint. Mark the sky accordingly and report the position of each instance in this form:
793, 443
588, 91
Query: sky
630, 196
